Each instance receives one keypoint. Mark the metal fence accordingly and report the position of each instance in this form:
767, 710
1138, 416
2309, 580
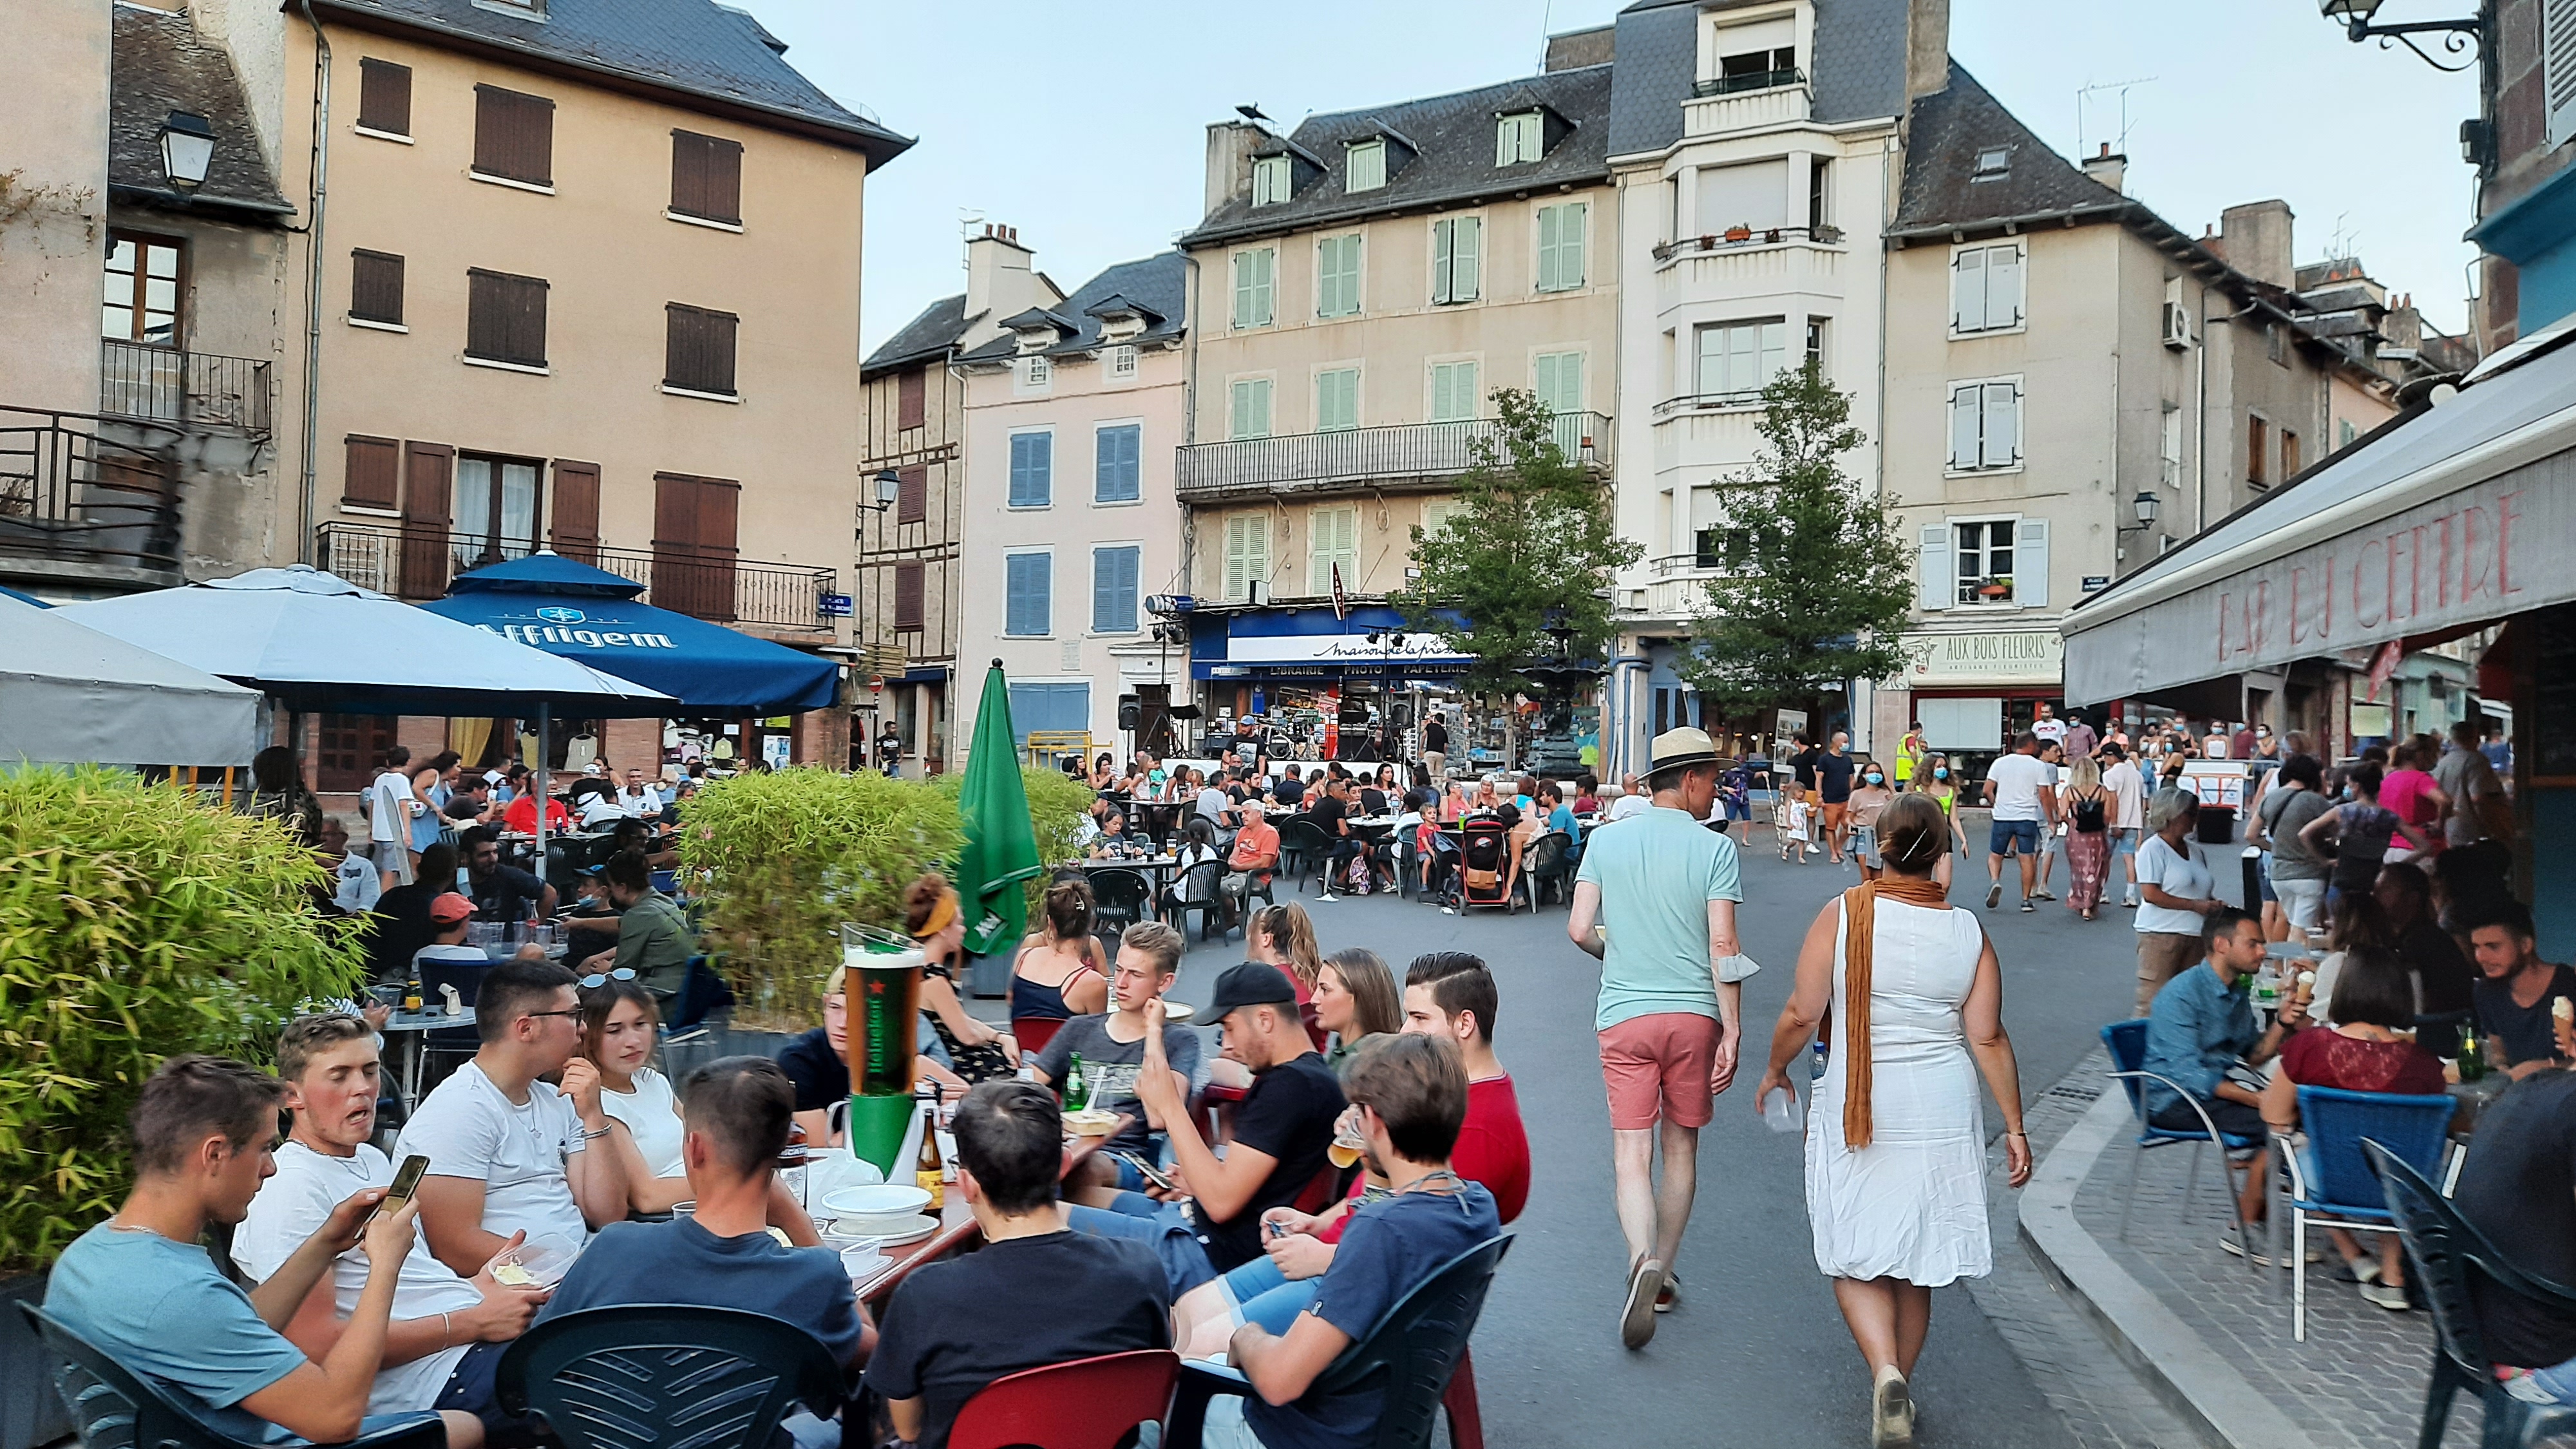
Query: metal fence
71, 489
414, 562
1405, 451
193, 389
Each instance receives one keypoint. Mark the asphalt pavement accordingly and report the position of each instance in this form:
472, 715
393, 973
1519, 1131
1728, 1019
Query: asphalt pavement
1755, 1353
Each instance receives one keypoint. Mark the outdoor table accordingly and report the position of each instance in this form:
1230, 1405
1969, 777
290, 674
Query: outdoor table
415, 1025
958, 1232
1155, 868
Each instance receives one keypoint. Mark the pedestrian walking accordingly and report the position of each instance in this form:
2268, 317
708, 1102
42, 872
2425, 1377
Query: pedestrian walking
391, 808
2052, 828
2024, 805
1655, 901
2088, 836
1896, 1195
2128, 787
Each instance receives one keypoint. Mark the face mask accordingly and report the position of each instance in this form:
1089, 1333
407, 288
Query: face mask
1875, 778
1941, 774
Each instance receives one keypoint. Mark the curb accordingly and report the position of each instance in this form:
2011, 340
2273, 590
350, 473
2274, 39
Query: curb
2194, 1380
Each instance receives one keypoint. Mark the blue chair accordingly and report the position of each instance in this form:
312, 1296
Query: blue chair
2331, 1184
666, 1376
2127, 1043
112, 1408
2445, 1251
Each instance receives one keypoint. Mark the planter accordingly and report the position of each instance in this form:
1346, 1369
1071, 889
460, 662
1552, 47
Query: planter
31, 1413
1739, 233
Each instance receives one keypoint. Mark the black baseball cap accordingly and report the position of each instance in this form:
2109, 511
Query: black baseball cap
1250, 983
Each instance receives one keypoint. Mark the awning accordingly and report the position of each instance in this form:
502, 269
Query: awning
2444, 521
70, 694
1314, 644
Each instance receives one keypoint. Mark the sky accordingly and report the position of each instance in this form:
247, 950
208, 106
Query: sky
1084, 124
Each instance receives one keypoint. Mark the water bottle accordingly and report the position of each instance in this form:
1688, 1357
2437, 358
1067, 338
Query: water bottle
1816, 1061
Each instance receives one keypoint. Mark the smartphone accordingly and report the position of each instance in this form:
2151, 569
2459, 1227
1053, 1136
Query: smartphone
1151, 1175
406, 1182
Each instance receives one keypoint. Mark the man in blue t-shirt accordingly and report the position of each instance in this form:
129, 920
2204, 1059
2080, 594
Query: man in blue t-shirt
139, 1289
1411, 1094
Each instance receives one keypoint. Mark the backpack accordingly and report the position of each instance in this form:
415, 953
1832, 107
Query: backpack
2089, 814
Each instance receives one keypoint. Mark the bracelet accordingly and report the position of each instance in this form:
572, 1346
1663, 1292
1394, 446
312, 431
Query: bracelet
593, 1134
2008, 1132
446, 1329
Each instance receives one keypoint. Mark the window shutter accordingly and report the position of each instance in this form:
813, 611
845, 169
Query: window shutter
576, 510
1560, 381
706, 177
376, 287
1444, 390
1968, 290
2030, 563
1028, 586
1032, 460
2002, 424
907, 596
911, 398
1547, 230
384, 96
1573, 233
505, 318
1464, 258
1235, 558
1964, 406
372, 478
1116, 459
2558, 68
1113, 590
1443, 239
2003, 287
1264, 263
427, 491
698, 349
514, 135
912, 493
1932, 580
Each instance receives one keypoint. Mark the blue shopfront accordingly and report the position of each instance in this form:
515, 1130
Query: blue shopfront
1299, 671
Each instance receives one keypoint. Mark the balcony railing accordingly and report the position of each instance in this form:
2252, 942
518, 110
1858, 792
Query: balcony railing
1405, 452
1747, 236
1755, 80
192, 389
70, 495
416, 562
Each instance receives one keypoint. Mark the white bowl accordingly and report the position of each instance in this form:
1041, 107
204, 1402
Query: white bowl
876, 1200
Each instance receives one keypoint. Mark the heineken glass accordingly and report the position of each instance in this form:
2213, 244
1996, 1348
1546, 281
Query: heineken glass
882, 979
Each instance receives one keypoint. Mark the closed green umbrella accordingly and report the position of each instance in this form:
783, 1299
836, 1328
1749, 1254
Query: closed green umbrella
1001, 846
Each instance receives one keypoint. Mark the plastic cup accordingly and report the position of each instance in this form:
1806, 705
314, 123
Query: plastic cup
1780, 1111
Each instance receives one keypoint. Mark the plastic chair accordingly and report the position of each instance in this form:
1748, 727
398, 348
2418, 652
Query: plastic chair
666, 1376
1034, 1032
2127, 1043
113, 1408
1090, 1403
1409, 1356
1303, 849
2445, 1250
1121, 898
2344, 1192
1551, 863
1198, 892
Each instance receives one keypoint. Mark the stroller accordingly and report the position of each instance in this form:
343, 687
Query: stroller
1484, 864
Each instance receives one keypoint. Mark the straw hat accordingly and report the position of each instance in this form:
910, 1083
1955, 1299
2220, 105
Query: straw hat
1674, 749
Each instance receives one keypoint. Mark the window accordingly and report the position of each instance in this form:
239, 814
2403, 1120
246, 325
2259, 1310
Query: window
2345, 432
697, 354
2257, 445
1247, 554
384, 97
1738, 359
514, 136
348, 747
1116, 464
1113, 588
911, 398
495, 510
142, 290
706, 177
1985, 424
1032, 470
1985, 561
1820, 194
1817, 328
1986, 288
2169, 448
1337, 399
1753, 196
1036, 374
694, 544
505, 318
1560, 381
907, 596
574, 527
2558, 72
376, 287
1364, 166
1122, 361
1992, 162
1457, 247
1333, 543
2276, 343
1560, 246
1437, 513
1337, 276
1028, 606
1517, 138
1269, 180
1747, 63
2289, 455
1251, 410
912, 493
1453, 392
373, 473
1255, 273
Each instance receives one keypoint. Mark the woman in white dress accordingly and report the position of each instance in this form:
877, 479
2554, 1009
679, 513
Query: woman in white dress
1896, 1143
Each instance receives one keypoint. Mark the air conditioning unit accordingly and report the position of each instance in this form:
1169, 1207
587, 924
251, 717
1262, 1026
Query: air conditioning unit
2177, 326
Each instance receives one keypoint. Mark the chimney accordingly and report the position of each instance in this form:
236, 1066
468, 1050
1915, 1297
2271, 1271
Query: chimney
2255, 239
1230, 145
1578, 48
997, 269
2107, 168
1927, 48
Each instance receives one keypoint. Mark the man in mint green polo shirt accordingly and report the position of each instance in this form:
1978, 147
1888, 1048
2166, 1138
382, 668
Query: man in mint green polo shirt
1661, 889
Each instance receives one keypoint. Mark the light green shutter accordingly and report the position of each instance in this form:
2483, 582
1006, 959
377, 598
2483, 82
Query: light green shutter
1453, 391
1253, 273
1247, 553
1251, 398
1337, 399
1560, 381
1443, 237
1560, 247
1466, 251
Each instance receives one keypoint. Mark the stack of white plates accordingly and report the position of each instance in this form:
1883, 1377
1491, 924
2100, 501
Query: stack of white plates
889, 1211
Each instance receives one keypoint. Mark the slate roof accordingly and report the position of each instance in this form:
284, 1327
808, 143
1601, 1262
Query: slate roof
928, 335
1453, 136
1157, 284
160, 64
712, 54
1941, 188
1858, 69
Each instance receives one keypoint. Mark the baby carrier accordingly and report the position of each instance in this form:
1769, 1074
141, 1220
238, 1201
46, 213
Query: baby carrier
1484, 853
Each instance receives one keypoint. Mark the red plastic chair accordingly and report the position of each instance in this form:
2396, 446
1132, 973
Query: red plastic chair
1090, 1403
1034, 1032
1466, 1416
1214, 1098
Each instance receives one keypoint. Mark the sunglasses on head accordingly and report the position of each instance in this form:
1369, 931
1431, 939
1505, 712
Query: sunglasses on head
598, 979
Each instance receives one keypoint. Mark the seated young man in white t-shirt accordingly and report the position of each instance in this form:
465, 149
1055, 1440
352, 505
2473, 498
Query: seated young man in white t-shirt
447, 1333
508, 1153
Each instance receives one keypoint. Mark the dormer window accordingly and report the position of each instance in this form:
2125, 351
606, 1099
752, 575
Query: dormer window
1365, 166
1269, 180
1992, 162
1757, 70
1518, 137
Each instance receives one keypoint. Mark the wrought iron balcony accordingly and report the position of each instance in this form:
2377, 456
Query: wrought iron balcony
1415, 453
69, 495
192, 389
415, 562
1755, 80
1748, 236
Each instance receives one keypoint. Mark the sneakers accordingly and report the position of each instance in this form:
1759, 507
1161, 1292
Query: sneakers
2043, 894
1637, 1315
2227, 1243
1891, 1410
1669, 1294
2027, 907
1994, 895
1329, 896
2385, 1295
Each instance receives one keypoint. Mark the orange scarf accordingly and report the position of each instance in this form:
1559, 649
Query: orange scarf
1860, 916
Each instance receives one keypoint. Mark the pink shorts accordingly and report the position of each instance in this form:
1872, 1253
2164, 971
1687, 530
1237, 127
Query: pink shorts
1659, 1066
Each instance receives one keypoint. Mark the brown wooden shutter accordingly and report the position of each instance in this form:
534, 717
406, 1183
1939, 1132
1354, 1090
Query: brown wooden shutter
907, 596
373, 478
912, 493
698, 349
429, 491
706, 177
719, 510
376, 287
576, 515
911, 396
514, 135
347, 746
384, 96
694, 544
505, 317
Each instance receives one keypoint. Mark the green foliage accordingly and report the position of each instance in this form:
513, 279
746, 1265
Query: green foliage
1057, 804
1529, 554
136, 923
1817, 581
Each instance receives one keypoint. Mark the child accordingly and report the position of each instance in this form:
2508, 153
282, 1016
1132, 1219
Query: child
1798, 836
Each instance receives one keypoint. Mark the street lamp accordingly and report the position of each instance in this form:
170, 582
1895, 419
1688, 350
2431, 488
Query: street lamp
187, 148
2458, 36
889, 488
2146, 504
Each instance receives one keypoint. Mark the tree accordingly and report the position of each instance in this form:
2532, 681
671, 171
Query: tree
1527, 559
1816, 580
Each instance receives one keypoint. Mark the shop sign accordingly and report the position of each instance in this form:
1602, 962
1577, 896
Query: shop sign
2035, 656
1335, 649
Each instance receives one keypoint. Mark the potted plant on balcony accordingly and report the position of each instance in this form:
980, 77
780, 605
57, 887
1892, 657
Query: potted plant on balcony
1739, 233
1996, 589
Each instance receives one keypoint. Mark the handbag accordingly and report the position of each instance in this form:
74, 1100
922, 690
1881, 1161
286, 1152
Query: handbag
2089, 814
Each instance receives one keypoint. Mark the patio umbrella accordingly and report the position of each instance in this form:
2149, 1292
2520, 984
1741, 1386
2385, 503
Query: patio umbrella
1001, 846
72, 695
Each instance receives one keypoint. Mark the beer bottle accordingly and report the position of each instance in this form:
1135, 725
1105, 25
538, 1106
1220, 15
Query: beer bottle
411, 990
1075, 1088
928, 1172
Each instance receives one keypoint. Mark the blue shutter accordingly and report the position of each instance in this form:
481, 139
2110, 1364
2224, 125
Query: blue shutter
1032, 470
1117, 459
1028, 587
1113, 589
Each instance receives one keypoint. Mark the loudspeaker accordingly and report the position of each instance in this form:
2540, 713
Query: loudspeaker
1131, 713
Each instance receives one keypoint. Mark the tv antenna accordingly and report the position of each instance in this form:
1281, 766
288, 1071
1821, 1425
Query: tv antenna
2121, 144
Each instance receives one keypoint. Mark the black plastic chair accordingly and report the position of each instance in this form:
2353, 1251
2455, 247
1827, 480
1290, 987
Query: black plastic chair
113, 1408
1121, 898
1198, 892
666, 1376
1550, 866
1409, 1356
1303, 849
2445, 1250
